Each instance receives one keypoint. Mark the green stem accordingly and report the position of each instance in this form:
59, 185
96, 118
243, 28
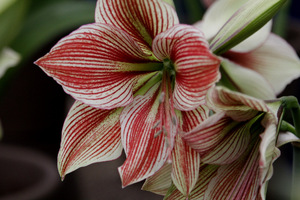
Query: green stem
285, 126
291, 103
280, 23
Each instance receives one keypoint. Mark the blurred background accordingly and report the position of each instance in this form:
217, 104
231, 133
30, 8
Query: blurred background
33, 106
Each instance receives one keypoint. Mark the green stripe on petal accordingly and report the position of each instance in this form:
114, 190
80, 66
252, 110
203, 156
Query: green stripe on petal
247, 20
186, 165
89, 135
146, 154
93, 64
160, 182
142, 19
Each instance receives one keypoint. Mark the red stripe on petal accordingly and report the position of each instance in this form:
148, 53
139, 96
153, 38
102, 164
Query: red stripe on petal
97, 64
89, 135
238, 106
142, 19
186, 165
146, 154
239, 180
197, 69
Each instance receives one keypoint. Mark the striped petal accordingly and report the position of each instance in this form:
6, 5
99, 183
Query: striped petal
274, 60
146, 153
186, 165
95, 65
89, 135
197, 69
190, 119
142, 19
268, 151
219, 139
160, 182
238, 106
207, 172
238, 180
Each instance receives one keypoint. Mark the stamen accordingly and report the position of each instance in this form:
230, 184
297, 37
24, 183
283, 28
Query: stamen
167, 142
165, 131
174, 121
157, 133
162, 97
156, 124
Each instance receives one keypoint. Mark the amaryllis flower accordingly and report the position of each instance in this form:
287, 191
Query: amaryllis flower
138, 77
237, 146
256, 65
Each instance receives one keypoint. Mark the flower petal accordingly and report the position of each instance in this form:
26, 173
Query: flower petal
142, 19
238, 180
253, 15
191, 119
268, 150
284, 138
146, 154
160, 182
89, 135
186, 166
255, 40
8, 58
274, 60
197, 69
217, 14
238, 106
94, 64
248, 81
207, 172
219, 139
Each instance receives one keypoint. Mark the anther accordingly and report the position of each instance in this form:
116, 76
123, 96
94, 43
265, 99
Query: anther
165, 131
156, 124
162, 97
174, 120
157, 133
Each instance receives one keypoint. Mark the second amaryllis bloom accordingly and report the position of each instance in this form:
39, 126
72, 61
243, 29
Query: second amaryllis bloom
237, 146
138, 77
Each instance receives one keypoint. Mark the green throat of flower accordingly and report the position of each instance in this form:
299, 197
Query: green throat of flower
169, 70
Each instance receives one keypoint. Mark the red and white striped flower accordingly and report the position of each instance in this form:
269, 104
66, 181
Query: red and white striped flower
255, 65
139, 77
237, 146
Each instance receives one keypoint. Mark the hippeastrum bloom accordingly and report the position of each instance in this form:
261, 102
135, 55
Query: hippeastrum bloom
138, 77
255, 65
237, 146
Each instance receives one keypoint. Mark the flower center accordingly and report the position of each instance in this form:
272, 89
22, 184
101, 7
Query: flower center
169, 69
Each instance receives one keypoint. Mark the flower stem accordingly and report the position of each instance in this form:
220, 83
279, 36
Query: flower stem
285, 126
291, 103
